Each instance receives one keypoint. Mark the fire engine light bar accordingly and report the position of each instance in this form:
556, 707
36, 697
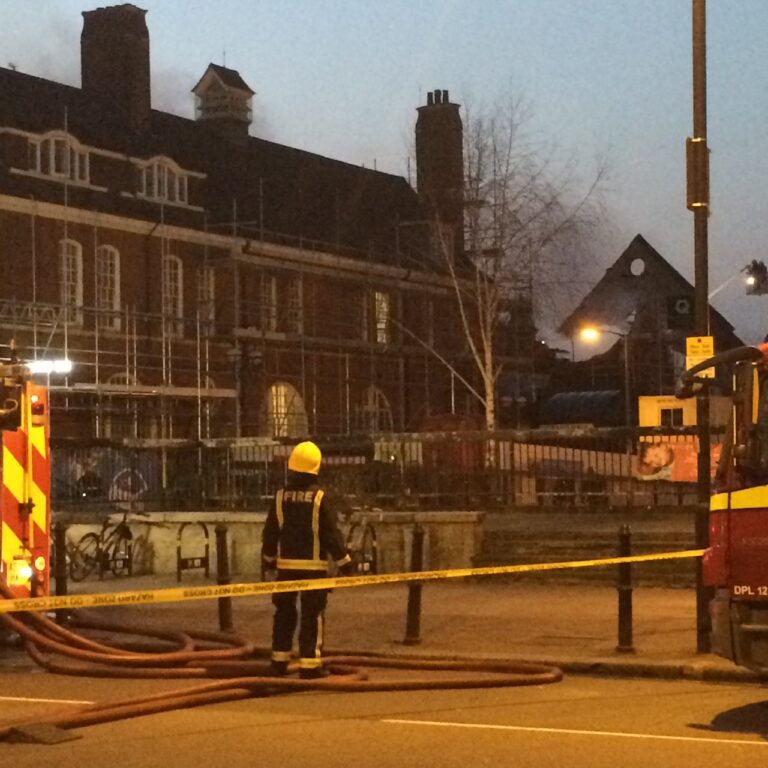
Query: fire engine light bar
50, 366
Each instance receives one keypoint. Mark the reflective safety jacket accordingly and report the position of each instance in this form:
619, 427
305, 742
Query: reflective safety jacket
301, 530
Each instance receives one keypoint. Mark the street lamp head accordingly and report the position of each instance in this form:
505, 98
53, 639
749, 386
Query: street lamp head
590, 334
757, 278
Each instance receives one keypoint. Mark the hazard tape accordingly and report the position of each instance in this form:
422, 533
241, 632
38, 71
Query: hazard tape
180, 594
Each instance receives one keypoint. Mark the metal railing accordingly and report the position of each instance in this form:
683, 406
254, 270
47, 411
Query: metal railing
595, 468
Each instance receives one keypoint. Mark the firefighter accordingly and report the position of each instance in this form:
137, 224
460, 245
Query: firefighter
299, 536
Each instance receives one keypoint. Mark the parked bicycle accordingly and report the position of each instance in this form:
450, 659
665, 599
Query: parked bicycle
361, 543
111, 549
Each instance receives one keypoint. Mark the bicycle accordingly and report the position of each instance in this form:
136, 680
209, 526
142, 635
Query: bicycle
361, 542
109, 549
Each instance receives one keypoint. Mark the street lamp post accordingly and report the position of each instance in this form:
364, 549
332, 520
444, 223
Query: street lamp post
627, 393
697, 160
591, 334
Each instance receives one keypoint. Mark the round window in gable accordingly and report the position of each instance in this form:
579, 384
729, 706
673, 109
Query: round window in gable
637, 267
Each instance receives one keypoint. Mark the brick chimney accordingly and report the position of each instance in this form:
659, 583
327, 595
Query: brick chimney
440, 162
114, 55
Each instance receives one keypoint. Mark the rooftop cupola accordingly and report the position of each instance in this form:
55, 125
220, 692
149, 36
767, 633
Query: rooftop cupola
223, 100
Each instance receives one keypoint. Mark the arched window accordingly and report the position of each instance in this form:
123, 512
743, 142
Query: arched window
284, 412
376, 316
161, 179
374, 413
60, 156
124, 379
108, 286
71, 280
173, 295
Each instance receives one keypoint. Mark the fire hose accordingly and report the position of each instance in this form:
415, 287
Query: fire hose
230, 665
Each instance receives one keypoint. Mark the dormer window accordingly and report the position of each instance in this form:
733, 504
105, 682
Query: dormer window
59, 156
164, 181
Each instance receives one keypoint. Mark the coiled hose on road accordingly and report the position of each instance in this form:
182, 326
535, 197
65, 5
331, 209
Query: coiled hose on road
233, 664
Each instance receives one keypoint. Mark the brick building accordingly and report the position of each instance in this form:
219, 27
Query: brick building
210, 283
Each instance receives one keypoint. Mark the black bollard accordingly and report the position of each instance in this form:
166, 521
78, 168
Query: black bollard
61, 572
624, 587
413, 616
223, 578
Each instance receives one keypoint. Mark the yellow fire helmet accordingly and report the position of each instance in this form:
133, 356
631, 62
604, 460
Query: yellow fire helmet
305, 457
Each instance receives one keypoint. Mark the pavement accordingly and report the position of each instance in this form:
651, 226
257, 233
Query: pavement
569, 625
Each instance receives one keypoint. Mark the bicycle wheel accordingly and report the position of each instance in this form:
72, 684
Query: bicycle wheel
361, 544
85, 557
120, 555
369, 552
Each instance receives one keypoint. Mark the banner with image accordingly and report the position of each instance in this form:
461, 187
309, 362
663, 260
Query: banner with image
675, 461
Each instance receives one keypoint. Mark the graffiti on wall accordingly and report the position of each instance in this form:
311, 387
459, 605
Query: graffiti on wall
101, 474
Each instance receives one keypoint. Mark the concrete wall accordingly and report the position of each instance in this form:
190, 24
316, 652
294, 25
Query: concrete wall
156, 538
452, 539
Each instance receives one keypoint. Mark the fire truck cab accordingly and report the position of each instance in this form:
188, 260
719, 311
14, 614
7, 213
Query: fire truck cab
736, 560
25, 510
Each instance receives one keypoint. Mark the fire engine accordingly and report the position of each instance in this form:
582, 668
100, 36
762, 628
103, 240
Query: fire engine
25, 510
736, 560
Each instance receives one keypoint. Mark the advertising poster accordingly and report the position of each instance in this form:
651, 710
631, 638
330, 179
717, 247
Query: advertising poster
675, 461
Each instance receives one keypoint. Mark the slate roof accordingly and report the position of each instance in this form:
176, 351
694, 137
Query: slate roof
601, 408
294, 193
620, 293
230, 78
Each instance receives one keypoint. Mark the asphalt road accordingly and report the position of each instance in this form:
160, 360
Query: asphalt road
581, 722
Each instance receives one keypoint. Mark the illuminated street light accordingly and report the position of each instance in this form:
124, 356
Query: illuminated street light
757, 278
591, 334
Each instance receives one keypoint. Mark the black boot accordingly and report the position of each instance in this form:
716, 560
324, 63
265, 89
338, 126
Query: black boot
314, 673
279, 668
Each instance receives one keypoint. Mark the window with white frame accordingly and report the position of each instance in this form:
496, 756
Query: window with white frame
163, 181
374, 413
268, 302
285, 414
382, 316
60, 157
671, 417
108, 286
206, 297
173, 295
71, 280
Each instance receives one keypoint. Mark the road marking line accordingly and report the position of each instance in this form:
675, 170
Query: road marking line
574, 732
44, 701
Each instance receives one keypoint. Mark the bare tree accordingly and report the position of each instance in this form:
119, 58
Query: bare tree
527, 224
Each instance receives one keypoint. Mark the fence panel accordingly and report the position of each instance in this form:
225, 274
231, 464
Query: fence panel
589, 469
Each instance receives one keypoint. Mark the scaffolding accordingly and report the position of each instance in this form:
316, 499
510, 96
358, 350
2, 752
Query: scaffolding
183, 375
119, 373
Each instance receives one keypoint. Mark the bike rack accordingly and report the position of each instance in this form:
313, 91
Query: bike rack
192, 563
